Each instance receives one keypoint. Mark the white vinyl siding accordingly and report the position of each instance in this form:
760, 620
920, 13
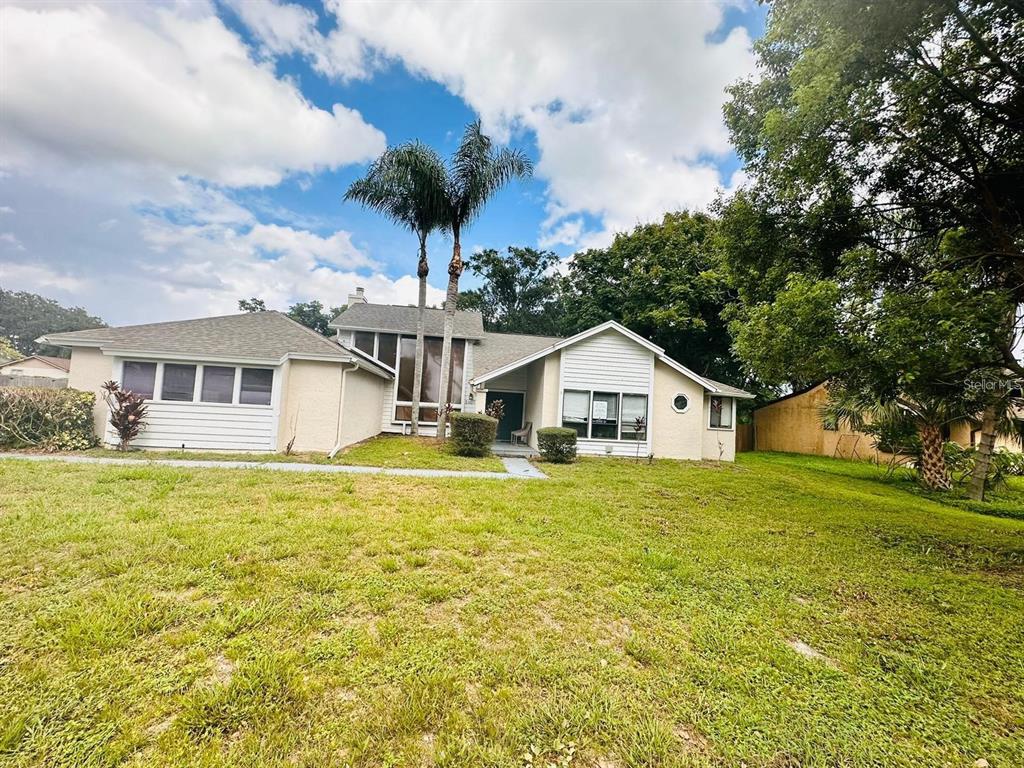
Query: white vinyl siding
609, 362
201, 425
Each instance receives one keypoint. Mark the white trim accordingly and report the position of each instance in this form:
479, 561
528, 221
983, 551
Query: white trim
609, 325
732, 423
688, 403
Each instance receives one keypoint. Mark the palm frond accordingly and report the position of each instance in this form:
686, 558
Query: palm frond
478, 172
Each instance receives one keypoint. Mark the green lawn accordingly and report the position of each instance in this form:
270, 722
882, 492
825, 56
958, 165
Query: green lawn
164, 617
385, 451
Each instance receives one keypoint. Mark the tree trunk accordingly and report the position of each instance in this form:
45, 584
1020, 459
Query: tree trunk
932, 468
983, 459
451, 301
422, 270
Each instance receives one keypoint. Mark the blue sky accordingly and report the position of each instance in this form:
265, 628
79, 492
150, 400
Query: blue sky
168, 159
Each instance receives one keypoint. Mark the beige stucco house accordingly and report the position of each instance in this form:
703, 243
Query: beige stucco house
42, 366
261, 382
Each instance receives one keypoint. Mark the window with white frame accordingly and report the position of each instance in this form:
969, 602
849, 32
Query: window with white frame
221, 384
140, 378
605, 415
721, 413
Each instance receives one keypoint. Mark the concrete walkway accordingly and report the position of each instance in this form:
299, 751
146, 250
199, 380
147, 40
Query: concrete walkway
515, 469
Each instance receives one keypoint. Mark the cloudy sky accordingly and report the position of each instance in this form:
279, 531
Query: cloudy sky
162, 161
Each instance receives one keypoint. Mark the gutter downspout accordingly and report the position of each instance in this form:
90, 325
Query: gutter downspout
341, 407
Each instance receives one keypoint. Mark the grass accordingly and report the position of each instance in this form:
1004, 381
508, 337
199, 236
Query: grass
616, 615
392, 451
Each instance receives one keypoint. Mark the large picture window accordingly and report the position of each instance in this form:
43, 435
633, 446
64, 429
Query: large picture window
721, 413
604, 415
430, 381
139, 378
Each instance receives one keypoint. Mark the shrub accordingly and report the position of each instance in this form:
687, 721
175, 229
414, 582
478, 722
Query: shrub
557, 444
51, 419
127, 412
1003, 464
473, 433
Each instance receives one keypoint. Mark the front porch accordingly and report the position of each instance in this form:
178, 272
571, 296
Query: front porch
517, 451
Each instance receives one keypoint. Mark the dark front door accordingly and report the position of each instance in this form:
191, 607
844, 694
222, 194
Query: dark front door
513, 416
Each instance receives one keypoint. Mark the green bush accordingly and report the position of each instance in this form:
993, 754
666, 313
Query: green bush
51, 419
557, 444
473, 433
960, 461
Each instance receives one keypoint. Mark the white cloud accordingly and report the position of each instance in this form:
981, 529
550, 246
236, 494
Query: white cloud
164, 89
6, 209
624, 98
127, 127
9, 240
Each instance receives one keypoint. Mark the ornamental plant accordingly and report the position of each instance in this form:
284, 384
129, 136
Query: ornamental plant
557, 444
49, 419
473, 433
127, 413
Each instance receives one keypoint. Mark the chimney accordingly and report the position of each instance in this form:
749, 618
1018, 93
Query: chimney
357, 298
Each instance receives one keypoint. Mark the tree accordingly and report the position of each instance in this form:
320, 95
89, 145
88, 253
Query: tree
251, 305
312, 315
7, 350
24, 317
662, 281
905, 120
406, 184
521, 293
476, 172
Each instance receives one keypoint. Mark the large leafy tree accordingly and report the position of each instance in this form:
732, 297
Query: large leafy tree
24, 317
406, 185
902, 126
313, 314
662, 281
521, 291
475, 174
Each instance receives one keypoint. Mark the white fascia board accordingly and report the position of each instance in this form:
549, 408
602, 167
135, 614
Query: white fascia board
191, 357
358, 353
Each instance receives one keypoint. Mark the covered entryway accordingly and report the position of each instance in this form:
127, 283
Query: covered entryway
513, 417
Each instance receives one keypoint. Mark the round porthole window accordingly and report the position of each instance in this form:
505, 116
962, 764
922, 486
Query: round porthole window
680, 403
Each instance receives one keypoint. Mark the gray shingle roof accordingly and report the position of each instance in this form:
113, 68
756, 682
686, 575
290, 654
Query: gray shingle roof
497, 349
253, 335
727, 389
402, 319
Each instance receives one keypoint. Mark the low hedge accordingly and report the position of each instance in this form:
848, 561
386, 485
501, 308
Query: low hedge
557, 444
50, 419
473, 433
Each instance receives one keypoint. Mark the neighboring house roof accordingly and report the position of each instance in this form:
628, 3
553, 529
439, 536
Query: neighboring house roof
61, 363
402, 319
269, 337
556, 344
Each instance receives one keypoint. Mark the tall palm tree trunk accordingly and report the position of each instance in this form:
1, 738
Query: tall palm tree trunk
455, 267
983, 459
422, 270
932, 467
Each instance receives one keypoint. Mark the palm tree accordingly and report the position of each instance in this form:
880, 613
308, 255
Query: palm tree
476, 173
928, 415
406, 184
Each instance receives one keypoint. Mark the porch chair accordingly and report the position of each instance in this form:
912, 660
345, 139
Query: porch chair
522, 434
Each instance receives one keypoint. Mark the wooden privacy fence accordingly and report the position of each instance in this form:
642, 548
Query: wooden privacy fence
744, 437
45, 382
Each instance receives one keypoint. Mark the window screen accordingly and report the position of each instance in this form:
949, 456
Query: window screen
387, 346
364, 341
257, 384
605, 414
576, 411
218, 384
179, 382
634, 407
721, 412
139, 378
